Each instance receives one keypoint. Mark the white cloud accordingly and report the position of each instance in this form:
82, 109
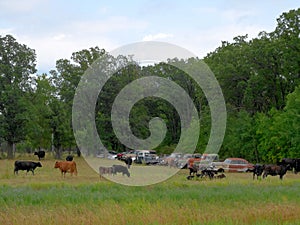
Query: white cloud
51, 48
77, 35
202, 42
235, 15
111, 24
59, 37
153, 37
5, 31
19, 6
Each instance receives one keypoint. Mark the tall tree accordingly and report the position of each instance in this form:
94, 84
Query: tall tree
65, 80
17, 63
40, 113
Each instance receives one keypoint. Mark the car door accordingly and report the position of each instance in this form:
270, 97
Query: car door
234, 165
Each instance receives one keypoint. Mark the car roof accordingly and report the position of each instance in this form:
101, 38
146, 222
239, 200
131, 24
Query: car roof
237, 159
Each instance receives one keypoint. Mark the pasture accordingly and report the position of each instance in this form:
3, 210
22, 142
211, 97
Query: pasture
48, 198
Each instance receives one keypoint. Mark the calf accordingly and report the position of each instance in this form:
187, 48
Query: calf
257, 170
120, 169
275, 170
26, 165
40, 154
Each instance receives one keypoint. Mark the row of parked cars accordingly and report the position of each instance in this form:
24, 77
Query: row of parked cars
211, 160
181, 160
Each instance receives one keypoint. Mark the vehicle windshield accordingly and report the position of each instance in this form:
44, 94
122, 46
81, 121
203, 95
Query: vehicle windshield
227, 161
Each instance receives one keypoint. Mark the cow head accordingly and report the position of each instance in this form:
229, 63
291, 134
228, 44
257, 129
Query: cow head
56, 164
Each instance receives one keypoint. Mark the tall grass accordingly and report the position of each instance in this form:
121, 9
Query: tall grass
47, 198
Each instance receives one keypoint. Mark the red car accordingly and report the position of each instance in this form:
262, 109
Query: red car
234, 165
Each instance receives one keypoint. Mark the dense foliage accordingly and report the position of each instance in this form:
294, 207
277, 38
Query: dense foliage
260, 80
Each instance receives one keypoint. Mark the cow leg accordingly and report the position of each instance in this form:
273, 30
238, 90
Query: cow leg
264, 175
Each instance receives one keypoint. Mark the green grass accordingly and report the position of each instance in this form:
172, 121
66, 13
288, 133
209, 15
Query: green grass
47, 198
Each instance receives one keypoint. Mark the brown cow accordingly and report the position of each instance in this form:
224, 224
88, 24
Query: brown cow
275, 170
66, 166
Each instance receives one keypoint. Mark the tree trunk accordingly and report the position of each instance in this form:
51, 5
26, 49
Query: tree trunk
57, 153
10, 150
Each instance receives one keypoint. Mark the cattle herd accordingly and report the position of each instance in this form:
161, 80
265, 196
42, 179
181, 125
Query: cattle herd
279, 169
258, 170
64, 166
69, 166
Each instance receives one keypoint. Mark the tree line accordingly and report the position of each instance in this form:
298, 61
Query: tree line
259, 79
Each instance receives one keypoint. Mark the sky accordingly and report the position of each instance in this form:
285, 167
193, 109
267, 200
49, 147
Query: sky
57, 28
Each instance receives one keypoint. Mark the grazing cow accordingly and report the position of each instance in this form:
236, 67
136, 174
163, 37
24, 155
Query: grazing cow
208, 173
275, 170
105, 170
120, 169
40, 154
66, 166
69, 158
26, 165
257, 170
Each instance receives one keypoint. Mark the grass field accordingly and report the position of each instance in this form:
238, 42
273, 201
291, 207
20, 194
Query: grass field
47, 198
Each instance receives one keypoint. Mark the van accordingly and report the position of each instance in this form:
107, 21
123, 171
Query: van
145, 156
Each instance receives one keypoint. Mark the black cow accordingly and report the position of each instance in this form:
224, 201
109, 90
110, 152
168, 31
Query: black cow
69, 158
40, 154
120, 169
193, 170
293, 163
257, 170
26, 165
208, 172
275, 170
297, 166
128, 161
78, 152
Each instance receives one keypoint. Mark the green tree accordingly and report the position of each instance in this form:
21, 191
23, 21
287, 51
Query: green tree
17, 63
39, 113
240, 139
278, 131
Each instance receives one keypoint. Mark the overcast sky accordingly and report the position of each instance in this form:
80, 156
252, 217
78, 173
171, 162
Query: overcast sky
56, 28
